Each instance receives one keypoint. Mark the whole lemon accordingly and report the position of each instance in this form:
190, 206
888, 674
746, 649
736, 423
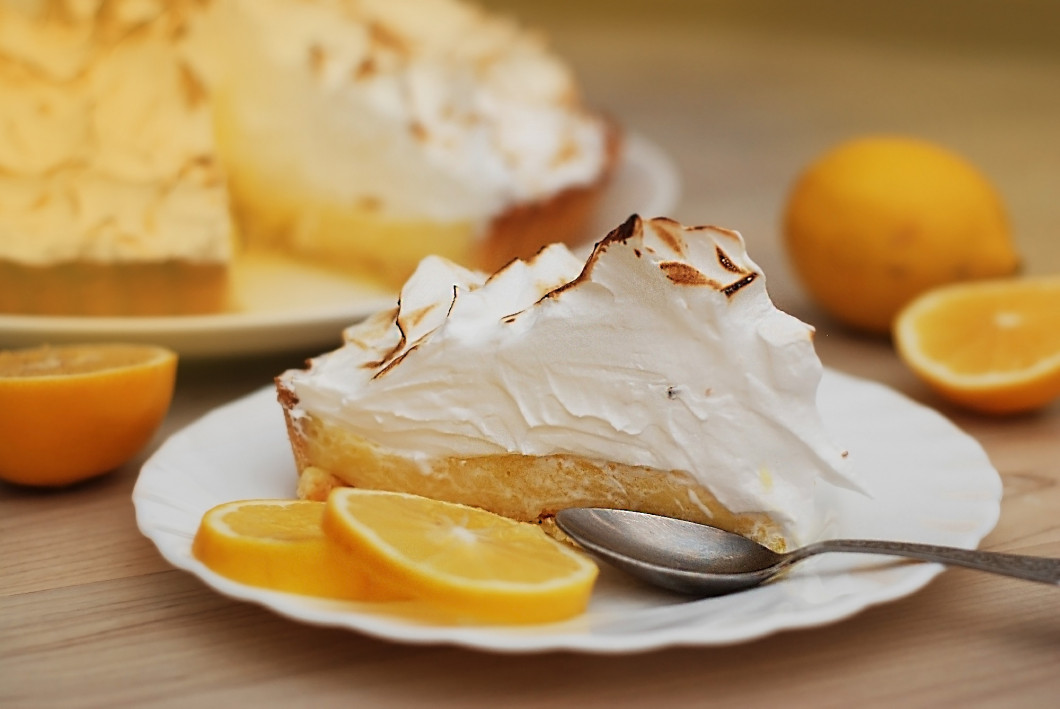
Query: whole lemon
876, 221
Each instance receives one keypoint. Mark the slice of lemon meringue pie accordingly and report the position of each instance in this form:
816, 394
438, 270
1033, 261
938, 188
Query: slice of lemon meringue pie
656, 376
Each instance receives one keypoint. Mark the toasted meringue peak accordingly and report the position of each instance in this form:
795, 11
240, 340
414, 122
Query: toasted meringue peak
663, 350
106, 144
426, 108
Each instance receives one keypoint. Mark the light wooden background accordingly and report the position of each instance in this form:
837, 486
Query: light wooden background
741, 95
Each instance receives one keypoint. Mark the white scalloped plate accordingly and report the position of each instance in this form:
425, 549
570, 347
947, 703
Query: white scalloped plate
315, 305
929, 482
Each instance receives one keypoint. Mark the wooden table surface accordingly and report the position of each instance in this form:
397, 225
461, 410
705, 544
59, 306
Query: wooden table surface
90, 615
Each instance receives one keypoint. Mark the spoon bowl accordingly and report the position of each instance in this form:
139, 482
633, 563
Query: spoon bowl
702, 560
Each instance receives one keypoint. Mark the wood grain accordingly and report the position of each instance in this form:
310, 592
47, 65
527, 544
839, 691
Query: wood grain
90, 615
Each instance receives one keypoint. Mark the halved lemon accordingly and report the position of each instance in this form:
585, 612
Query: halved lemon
992, 346
77, 411
280, 545
468, 564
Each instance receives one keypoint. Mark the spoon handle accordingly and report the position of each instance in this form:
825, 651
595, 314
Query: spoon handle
1031, 568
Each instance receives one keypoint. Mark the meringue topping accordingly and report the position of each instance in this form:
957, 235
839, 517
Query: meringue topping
662, 350
427, 109
106, 142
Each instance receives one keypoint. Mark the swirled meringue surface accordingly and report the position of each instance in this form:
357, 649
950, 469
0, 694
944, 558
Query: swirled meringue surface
106, 144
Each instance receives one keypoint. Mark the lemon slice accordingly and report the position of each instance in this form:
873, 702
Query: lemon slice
469, 564
74, 412
279, 544
992, 346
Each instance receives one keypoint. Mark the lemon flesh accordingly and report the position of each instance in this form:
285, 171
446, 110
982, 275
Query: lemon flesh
467, 563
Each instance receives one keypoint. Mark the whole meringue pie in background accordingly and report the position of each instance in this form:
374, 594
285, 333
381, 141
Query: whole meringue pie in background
111, 200
137, 137
657, 376
366, 134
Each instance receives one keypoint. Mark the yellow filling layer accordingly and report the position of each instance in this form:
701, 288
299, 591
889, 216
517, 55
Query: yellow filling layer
525, 488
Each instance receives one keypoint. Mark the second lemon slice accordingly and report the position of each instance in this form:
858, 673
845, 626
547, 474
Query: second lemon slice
473, 565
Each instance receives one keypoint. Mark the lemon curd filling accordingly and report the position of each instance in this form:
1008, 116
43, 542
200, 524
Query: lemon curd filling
521, 487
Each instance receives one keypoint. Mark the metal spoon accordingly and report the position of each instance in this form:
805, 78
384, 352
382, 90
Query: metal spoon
707, 561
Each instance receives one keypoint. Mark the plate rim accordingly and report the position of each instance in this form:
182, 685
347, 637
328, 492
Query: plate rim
515, 639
